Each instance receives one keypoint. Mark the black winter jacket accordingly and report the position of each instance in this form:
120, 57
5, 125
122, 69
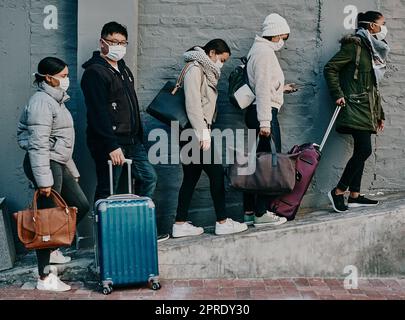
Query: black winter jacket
113, 117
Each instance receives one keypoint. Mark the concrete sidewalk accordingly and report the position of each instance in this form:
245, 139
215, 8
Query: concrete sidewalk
238, 289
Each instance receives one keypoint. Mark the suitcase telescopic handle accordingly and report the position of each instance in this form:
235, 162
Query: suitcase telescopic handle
332, 122
110, 167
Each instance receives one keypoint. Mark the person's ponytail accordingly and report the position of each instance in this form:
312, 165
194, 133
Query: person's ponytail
360, 21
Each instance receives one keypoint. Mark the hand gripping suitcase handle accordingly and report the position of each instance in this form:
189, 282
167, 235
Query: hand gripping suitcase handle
332, 122
110, 170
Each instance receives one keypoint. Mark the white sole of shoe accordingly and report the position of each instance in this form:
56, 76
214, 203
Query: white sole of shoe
358, 205
58, 262
187, 235
265, 224
226, 233
163, 239
333, 203
53, 290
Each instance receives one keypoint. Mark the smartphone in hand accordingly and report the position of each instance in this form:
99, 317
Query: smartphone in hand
291, 88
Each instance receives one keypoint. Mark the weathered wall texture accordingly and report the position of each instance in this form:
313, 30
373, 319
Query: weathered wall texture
169, 27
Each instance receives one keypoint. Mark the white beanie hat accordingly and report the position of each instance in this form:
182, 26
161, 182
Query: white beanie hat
274, 25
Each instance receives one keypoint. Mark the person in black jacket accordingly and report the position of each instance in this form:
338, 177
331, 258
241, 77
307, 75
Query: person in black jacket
114, 127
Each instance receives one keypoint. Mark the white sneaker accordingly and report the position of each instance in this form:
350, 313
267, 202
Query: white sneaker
52, 283
229, 227
269, 219
186, 230
58, 258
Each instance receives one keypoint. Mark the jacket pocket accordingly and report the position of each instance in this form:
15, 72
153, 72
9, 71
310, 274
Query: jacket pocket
364, 96
361, 115
61, 149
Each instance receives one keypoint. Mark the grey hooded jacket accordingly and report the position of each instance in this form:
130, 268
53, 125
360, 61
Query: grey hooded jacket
46, 132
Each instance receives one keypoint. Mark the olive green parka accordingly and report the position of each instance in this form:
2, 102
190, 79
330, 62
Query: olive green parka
350, 74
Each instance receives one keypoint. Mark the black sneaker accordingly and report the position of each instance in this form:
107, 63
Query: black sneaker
338, 201
361, 201
163, 237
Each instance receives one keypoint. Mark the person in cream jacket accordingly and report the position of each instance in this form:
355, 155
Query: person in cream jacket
267, 81
200, 90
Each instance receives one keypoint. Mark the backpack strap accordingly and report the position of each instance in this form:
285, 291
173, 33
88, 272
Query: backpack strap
358, 55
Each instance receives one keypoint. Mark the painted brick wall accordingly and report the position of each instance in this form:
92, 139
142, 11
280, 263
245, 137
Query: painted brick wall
169, 27
61, 43
167, 30
390, 151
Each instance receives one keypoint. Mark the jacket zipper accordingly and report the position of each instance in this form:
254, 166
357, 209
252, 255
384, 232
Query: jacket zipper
133, 125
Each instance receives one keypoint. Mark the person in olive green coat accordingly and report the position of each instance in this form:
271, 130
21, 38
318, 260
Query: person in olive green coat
353, 76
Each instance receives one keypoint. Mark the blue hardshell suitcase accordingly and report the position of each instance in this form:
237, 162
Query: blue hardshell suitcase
126, 239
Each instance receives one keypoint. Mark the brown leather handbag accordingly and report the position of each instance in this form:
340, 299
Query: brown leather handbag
47, 228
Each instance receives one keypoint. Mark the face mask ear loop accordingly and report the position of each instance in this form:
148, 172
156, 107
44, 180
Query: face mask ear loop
39, 74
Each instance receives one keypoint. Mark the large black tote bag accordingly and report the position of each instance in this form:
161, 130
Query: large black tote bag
169, 104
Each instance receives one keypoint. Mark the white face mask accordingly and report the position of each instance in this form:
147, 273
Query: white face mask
115, 53
278, 45
382, 34
63, 83
219, 63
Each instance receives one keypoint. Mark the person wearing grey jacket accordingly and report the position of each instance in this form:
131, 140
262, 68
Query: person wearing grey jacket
46, 133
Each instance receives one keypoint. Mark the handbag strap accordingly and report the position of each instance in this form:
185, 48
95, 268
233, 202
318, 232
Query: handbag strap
56, 197
183, 74
273, 150
245, 61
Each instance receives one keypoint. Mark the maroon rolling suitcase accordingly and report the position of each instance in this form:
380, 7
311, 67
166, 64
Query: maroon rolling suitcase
309, 156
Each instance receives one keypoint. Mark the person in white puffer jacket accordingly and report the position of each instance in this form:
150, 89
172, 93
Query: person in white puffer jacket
267, 81
47, 134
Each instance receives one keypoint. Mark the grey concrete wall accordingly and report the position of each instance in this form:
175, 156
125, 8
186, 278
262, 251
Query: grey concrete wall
169, 27
7, 248
320, 245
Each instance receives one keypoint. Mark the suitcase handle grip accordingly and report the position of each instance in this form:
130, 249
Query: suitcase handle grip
110, 170
123, 197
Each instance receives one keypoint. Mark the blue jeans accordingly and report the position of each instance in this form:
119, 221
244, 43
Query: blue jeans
254, 202
142, 171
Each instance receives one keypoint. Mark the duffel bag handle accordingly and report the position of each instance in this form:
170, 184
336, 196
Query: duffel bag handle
272, 147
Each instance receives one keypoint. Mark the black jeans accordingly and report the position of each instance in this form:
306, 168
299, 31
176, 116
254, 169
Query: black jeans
142, 170
353, 173
191, 175
69, 189
254, 202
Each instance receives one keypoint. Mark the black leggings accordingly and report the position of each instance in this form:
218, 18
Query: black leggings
69, 189
353, 173
191, 175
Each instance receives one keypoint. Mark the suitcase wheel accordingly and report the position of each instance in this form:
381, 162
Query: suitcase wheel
107, 290
154, 285
107, 287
